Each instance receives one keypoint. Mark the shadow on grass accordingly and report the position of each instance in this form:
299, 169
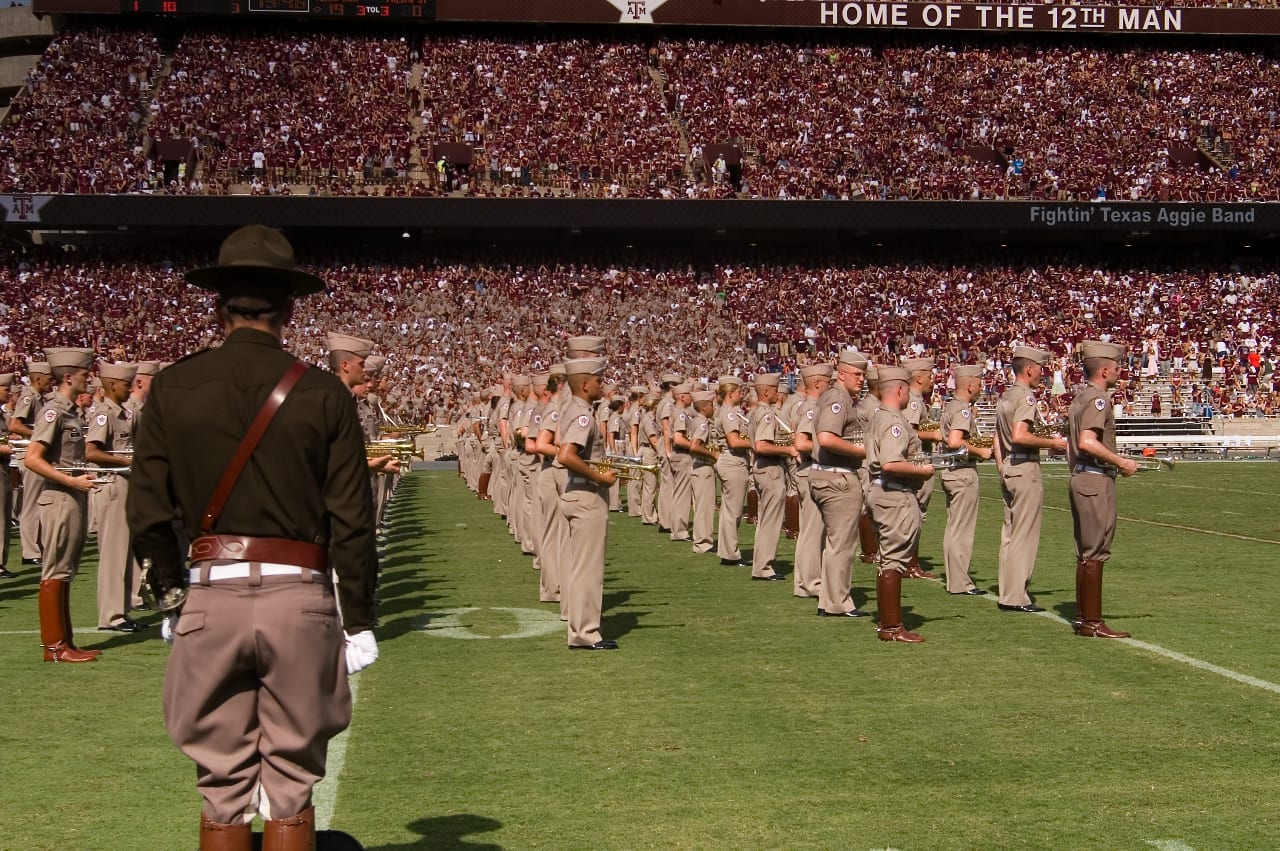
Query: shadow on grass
446, 833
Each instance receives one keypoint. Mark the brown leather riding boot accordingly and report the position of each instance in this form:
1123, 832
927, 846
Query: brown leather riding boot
889, 602
215, 836
915, 571
52, 629
753, 505
867, 539
791, 517
1089, 621
67, 629
297, 833
482, 490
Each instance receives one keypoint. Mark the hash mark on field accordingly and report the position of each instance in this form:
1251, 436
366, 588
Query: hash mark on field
1170, 845
1164, 525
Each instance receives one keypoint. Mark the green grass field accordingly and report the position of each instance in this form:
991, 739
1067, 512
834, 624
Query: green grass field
732, 717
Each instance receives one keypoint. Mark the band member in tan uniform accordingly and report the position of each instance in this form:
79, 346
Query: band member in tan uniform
1018, 460
30, 405
58, 441
666, 487
650, 440
895, 506
702, 478
921, 388
834, 484
1095, 462
770, 474
584, 504
553, 533
256, 684
531, 460
6, 489
957, 423
731, 467
110, 433
635, 446
681, 462
808, 573
867, 406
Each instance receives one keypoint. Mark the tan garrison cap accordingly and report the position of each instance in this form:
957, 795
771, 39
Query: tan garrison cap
893, 373
148, 367
556, 369
1099, 349
671, 378
917, 364
873, 374
768, 379
686, 387
118, 371
703, 396
1040, 356
69, 357
813, 370
725, 380
521, 381
585, 366
358, 346
637, 388
495, 390
37, 367
6, 379
540, 379
373, 364
968, 371
585, 344
853, 357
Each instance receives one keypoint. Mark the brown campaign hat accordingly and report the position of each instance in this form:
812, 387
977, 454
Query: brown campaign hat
894, 373
118, 371
917, 364
37, 367
704, 396
148, 367
585, 366
585, 344
255, 252
357, 346
69, 357
1040, 356
816, 370
1099, 349
768, 379
855, 358
968, 372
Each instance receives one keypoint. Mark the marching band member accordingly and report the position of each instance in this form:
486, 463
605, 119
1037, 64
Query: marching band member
807, 577
920, 387
732, 467
767, 439
702, 478
957, 424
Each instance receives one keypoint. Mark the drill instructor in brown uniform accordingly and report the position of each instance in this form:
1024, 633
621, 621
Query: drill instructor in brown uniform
895, 503
256, 684
1018, 461
63, 504
960, 483
1095, 462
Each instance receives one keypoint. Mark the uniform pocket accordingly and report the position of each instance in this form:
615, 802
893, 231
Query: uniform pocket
189, 622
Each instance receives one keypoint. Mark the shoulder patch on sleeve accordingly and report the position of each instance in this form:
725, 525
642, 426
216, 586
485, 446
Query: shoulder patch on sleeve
128, 413
896, 431
809, 414
965, 413
537, 418
584, 420
1031, 400
767, 418
101, 419
915, 406
555, 416
1100, 404
835, 407
50, 415
730, 417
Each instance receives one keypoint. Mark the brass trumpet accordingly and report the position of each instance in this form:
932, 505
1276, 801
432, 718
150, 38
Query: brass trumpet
101, 475
786, 435
1150, 464
949, 460
982, 441
628, 470
1051, 430
402, 450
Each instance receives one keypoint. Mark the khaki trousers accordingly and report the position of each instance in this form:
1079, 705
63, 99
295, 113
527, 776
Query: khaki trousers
961, 488
499, 485
1023, 494
702, 483
664, 494
772, 485
585, 509
29, 518
1093, 515
897, 518
733, 474
681, 496
6, 505
554, 538
115, 561
524, 486
635, 487
838, 499
255, 688
533, 528
648, 506
808, 574
63, 524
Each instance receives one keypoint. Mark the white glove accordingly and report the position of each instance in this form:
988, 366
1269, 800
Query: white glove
362, 651
168, 627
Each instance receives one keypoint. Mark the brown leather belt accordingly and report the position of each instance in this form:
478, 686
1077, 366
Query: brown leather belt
272, 550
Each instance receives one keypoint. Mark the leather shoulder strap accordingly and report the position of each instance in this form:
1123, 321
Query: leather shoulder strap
249, 443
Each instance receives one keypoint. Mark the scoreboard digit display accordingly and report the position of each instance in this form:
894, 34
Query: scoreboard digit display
421, 9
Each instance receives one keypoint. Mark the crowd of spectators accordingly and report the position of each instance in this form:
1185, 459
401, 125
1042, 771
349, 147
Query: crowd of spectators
457, 321
853, 116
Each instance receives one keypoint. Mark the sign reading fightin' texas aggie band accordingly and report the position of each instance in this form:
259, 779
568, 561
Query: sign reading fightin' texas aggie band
820, 14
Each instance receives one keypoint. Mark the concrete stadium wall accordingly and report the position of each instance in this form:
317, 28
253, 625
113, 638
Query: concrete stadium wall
13, 69
18, 21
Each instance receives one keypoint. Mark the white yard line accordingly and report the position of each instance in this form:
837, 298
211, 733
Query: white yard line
1166, 525
325, 794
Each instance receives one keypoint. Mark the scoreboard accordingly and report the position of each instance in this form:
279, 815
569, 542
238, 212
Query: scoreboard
421, 9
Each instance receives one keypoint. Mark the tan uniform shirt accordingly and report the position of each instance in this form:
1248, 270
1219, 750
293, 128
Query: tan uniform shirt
61, 430
891, 438
837, 413
1017, 404
764, 426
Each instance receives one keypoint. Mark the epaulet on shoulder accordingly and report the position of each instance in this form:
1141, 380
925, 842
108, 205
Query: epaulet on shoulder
197, 353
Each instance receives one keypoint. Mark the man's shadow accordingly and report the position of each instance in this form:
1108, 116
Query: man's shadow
445, 833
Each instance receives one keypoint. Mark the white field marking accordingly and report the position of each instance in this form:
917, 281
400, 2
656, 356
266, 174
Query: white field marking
325, 794
1170, 845
1200, 664
1178, 526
